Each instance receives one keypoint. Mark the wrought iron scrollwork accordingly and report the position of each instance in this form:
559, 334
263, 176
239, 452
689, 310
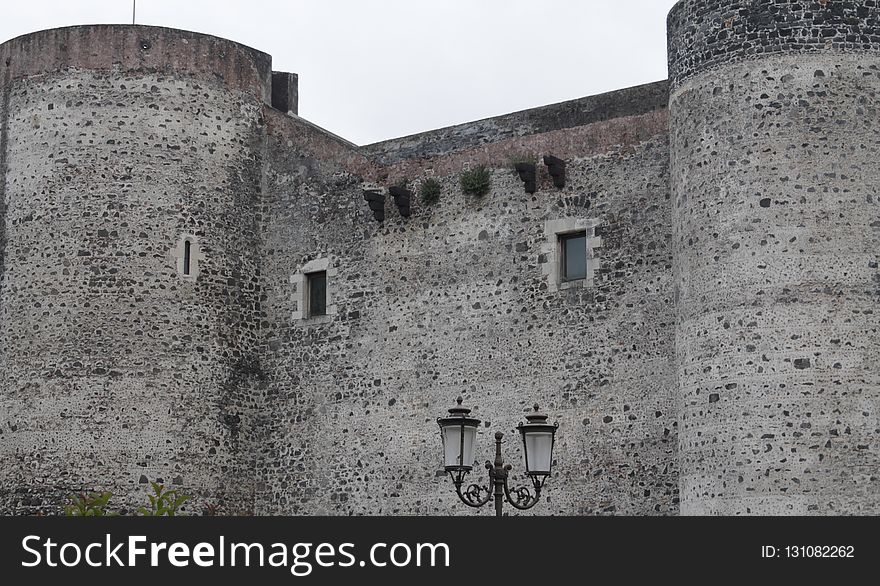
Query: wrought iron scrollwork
473, 496
522, 497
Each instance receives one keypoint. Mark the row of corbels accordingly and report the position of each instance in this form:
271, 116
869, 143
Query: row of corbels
375, 197
528, 173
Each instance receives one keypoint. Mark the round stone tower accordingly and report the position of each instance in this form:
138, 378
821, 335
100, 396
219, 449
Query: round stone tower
775, 142
128, 304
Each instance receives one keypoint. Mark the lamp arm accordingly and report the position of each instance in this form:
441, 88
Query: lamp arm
521, 497
472, 495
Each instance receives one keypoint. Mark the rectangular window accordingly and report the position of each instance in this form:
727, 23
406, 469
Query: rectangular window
574, 256
317, 290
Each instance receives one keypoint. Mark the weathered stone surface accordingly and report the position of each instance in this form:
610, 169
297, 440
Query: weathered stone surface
143, 49
775, 182
584, 112
285, 92
722, 346
430, 309
111, 365
708, 34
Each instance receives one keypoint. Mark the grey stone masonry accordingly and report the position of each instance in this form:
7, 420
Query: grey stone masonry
713, 33
776, 237
119, 142
164, 212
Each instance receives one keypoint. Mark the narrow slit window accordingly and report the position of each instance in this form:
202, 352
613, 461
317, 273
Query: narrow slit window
574, 256
187, 256
317, 290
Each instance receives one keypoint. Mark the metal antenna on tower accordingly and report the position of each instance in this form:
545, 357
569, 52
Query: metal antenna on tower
133, 10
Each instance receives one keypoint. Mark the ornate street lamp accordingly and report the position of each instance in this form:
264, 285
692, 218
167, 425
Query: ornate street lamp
458, 431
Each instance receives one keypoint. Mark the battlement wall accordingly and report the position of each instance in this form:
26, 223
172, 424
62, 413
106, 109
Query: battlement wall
634, 101
708, 33
135, 48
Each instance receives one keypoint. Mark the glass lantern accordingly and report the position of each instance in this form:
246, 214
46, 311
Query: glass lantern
458, 432
538, 439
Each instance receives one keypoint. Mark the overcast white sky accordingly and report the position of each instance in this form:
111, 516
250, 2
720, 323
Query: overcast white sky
377, 69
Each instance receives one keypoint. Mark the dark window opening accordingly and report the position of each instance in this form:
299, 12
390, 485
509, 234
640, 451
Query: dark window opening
574, 256
187, 254
317, 287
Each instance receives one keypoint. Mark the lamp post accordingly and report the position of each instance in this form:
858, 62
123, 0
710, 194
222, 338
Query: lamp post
458, 431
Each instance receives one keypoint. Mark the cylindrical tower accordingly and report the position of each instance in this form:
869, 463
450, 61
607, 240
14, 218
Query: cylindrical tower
128, 297
775, 138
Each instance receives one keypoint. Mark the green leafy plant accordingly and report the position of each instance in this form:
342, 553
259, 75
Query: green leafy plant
89, 505
164, 503
430, 191
476, 181
517, 159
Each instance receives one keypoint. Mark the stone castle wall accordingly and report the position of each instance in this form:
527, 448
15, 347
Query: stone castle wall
719, 359
455, 301
774, 141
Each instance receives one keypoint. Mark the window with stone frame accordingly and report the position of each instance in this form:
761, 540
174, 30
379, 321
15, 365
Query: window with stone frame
314, 292
569, 255
186, 256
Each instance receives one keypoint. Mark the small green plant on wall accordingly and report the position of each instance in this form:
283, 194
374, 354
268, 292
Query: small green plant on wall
164, 503
430, 192
521, 158
476, 181
89, 505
